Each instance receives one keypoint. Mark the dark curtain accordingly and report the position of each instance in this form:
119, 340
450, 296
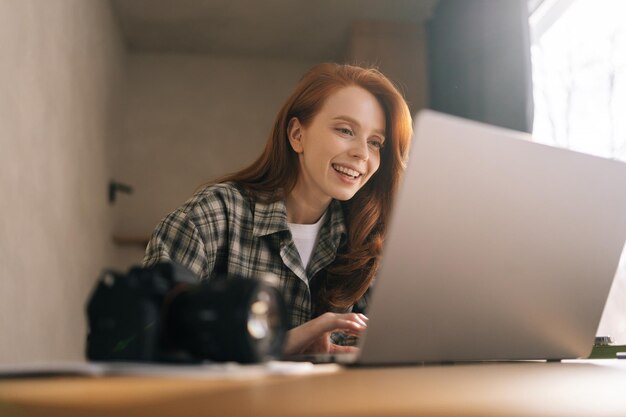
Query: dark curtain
479, 61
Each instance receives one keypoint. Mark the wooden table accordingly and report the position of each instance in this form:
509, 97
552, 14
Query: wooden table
487, 389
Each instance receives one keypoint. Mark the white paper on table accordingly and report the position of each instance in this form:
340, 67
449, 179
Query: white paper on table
229, 370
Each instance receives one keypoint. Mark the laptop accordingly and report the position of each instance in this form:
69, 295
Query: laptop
498, 249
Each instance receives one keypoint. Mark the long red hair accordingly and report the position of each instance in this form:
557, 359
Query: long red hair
366, 214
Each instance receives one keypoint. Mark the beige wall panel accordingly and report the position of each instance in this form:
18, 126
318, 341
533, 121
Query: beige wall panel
399, 51
60, 66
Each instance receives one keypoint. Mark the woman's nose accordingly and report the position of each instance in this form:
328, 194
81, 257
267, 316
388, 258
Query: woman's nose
359, 149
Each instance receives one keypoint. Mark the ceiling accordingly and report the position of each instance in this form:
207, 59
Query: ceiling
300, 29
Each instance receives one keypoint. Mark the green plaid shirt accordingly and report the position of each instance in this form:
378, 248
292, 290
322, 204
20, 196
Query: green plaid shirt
222, 230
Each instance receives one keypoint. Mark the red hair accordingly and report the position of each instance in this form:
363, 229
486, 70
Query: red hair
366, 214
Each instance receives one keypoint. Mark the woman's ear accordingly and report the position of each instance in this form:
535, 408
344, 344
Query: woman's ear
294, 133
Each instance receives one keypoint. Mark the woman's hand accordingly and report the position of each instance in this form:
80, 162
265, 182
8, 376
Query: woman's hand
314, 336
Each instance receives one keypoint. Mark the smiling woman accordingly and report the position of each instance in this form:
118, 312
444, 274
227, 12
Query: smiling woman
325, 182
338, 152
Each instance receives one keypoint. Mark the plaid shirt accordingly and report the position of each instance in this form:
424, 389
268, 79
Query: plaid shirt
223, 230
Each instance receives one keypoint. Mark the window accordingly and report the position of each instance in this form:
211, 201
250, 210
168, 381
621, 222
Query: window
579, 75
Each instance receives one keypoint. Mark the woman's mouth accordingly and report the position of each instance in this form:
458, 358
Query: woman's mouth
347, 172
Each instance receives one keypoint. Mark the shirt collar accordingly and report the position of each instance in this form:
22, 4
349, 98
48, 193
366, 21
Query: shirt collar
271, 218
336, 222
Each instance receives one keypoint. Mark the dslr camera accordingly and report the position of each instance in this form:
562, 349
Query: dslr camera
164, 314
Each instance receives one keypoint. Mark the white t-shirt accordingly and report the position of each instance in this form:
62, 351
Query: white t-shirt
305, 237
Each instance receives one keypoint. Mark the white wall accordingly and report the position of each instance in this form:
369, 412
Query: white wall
60, 68
188, 119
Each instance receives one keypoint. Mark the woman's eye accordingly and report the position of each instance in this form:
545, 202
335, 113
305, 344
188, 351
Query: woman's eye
345, 131
376, 144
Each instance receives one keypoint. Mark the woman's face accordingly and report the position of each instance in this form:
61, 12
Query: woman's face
340, 149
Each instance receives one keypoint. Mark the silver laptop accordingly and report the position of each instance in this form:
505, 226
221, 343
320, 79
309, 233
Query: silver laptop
498, 249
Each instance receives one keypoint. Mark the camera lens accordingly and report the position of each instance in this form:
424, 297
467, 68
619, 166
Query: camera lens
233, 319
258, 320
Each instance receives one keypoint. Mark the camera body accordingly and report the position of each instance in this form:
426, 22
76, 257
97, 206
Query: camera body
164, 314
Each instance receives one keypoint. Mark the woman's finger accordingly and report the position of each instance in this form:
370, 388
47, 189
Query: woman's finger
348, 326
331, 321
341, 323
360, 318
343, 349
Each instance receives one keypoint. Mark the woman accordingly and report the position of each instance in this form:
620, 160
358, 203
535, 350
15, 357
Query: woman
312, 209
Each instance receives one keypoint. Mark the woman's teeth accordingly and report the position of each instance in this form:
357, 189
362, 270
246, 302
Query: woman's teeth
347, 171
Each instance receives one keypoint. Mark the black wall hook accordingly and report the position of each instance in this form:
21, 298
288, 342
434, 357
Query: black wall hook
115, 187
